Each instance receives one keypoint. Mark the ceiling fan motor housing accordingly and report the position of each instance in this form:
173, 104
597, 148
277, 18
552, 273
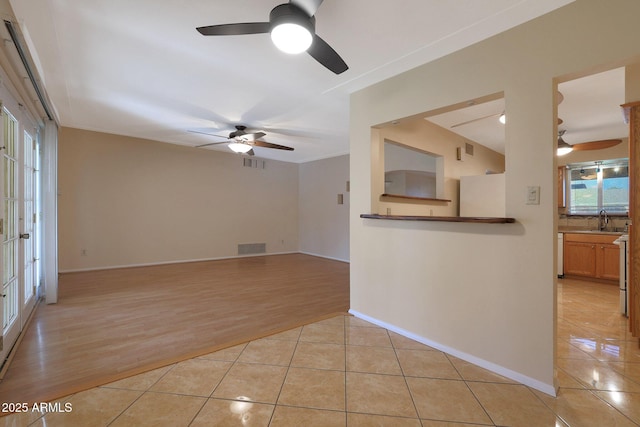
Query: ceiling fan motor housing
288, 13
239, 132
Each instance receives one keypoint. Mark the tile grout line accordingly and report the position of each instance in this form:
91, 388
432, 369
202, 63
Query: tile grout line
275, 404
404, 377
219, 382
126, 409
593, 392
344, 344
141, 394
464, 380
550, 408
234, 363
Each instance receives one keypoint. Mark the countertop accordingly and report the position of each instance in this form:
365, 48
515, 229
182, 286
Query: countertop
584, 231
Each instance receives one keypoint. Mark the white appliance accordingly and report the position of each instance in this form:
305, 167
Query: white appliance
623, 241
560, 254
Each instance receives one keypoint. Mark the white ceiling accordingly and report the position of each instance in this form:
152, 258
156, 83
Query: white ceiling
478, 122
590, 111
139, 68
591, 107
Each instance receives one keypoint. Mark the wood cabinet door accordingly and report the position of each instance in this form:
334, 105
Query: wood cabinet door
580, 258
608, 261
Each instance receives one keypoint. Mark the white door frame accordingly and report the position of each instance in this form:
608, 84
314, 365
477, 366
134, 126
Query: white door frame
29, 214
49, 223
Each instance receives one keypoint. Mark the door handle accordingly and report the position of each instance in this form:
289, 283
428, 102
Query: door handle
24, 235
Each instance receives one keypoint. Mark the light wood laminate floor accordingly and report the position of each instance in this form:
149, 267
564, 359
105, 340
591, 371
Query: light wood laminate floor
111, 324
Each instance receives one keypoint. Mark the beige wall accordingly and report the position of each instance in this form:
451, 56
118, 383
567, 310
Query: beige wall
483, 292
632, 83
127, 201
420, 133
324, 224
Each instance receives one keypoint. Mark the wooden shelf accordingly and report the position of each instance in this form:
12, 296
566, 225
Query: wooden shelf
425, 199
481, 220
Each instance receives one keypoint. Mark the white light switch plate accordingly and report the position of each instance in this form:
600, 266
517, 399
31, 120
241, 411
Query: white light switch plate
533, 195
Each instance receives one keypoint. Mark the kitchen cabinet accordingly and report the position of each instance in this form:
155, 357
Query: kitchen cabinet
592, 255
609, 265
579, 258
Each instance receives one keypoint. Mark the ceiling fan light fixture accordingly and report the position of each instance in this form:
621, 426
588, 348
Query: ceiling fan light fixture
291, 38
291, 29
563, 147
239, 147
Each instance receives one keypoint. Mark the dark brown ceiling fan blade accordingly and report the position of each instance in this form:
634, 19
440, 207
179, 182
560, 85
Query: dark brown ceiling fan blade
270, 145
596, 145
235, 29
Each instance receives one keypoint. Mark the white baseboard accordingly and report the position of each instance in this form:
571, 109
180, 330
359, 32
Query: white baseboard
324, 256
151, 264
500, 370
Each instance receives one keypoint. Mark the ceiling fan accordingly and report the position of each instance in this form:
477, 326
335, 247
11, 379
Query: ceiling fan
241, 141
292, 28
565, 148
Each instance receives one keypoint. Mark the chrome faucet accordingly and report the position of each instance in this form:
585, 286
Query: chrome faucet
602, 224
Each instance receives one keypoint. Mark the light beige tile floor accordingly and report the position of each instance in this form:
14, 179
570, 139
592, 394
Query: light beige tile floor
347, 372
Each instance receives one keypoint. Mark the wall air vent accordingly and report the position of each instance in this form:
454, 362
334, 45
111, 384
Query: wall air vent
468, 149
252, 248
253, 163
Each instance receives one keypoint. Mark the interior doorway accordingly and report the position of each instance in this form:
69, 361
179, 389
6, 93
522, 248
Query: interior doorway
589, 321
